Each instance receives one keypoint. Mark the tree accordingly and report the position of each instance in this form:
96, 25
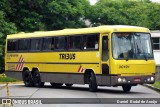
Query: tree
35, 15
5, 28
126, 12
24, 13
66, 14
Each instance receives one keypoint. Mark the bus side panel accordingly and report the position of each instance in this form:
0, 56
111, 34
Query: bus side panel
63, 78
14, 74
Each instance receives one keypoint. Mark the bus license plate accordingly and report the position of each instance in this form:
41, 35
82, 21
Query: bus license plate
137, 79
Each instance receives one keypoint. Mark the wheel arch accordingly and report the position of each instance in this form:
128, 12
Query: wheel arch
25, 68
87, 74
34, 69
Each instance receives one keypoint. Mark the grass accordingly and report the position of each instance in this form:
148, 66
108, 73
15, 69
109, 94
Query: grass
4, 78
7, 79
157, 84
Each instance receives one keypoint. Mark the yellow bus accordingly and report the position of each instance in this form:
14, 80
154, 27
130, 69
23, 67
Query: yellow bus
109, 55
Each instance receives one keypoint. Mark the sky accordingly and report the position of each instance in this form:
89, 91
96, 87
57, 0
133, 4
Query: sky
94, 1
158, 1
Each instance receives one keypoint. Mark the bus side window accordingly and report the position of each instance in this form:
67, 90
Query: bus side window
23, 44
26, 44
35, 44
60, 43
105, 48
74, 42
52, 44
91, 41
84, 42
47, 44
12, 45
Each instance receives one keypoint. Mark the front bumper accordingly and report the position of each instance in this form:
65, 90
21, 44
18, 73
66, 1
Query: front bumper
116, 80
131, 80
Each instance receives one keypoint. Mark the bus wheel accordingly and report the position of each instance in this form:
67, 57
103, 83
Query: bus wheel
69, 85
126, 88
56, 84
92, 82
27, 78
37, 79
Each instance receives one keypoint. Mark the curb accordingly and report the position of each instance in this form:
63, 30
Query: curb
152, 87
19, 82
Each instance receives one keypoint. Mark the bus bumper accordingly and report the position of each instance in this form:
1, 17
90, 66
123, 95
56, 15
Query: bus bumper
125, 80
131, 80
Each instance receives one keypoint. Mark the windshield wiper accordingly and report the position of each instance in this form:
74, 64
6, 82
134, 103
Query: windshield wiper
145, 57
127, 58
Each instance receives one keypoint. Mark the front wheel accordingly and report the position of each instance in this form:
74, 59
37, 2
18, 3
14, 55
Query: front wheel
126, 88
37, 79
92, 82
27, 78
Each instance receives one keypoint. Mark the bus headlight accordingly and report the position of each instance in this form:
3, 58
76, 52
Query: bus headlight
152, 78
123, 80
148, 79
119, 80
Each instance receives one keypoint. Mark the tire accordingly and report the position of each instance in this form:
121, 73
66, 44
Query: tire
69, 85
92, 82
56, 85
126, 88
37, 79
27, 78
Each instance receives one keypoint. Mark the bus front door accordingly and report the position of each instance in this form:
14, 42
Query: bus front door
105, 60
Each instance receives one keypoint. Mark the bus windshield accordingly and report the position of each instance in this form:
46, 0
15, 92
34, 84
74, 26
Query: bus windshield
131, 46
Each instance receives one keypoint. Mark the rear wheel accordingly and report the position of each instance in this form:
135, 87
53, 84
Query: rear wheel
27, 78
69, 85
92, 82
56, 84
126, 88
37, 79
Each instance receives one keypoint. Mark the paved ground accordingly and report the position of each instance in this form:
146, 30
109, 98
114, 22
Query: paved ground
78, 91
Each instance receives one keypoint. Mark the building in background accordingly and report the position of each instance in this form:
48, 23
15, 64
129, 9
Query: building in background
156, 47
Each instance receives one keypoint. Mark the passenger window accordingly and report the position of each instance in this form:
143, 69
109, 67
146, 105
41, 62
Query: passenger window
91, 42
23, 44
12, 45
60, 43
74, 42
35, 44
48, 44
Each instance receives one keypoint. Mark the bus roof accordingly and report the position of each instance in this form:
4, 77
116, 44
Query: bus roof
91, 30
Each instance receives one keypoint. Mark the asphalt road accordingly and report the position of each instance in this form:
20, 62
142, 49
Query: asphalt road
78, 91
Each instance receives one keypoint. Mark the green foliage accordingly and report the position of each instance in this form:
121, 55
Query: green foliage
8, 79
157, 84
24, 13
126, 12
5, 28
66, 14
35, 15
